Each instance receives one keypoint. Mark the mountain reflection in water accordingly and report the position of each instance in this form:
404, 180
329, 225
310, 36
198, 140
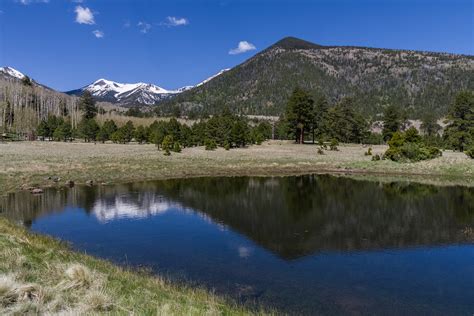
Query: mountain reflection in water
290, 216
311, 244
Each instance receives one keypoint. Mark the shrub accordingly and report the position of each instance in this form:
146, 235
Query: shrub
226, 145
333, 145
376, 157
373, 139
409, 146
210, 144
166, 144
259, 139
368, 152
320, 151
176, 147
470, 152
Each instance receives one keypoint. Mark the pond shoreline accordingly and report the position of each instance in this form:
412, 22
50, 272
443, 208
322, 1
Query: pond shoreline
55, 278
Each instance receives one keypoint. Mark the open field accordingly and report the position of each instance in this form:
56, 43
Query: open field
31, 163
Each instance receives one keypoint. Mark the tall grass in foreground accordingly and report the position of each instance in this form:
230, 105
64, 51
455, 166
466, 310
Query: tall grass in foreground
40, 275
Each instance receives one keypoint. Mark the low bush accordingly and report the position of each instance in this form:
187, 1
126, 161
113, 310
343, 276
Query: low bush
210, 144
470, 152
376, 157
176, 147
409, 147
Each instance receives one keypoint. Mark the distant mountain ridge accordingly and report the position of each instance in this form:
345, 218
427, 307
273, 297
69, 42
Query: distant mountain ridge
132, 94
373, 77
417, 81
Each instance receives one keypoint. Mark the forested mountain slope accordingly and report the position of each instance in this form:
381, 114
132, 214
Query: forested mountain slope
417, 81
25, 102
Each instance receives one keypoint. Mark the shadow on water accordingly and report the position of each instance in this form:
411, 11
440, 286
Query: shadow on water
308, 244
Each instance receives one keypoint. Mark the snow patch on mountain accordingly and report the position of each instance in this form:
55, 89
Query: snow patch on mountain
143, 93
212, 77
130, 93
12, 72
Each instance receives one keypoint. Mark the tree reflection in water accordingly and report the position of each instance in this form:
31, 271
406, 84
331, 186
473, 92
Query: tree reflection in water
290, 216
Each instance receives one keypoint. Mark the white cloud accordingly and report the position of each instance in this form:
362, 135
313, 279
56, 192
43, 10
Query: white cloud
84, 15
243, 47
98, 34
174, 21
27, 2
126, 24
244, 252
144, 27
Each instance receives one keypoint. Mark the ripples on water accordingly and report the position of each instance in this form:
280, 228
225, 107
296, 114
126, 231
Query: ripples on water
307, 244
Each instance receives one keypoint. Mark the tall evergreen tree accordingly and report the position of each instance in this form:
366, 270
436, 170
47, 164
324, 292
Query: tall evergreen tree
392, 121
87, 105
460, 131
346, 124
299, 113
320, 118
429, 124
88, 129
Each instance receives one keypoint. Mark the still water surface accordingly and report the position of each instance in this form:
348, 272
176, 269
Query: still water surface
312, 244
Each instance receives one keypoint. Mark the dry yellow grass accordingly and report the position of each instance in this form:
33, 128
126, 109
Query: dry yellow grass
121, 120
41, 276
30, 163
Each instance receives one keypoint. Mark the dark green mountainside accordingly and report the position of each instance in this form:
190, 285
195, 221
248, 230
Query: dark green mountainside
418, 81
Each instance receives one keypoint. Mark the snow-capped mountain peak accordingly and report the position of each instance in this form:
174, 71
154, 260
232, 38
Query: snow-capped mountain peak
126, 93
12, 72
130, 94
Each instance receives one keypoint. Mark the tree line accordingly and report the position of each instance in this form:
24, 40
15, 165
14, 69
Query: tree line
225, 130
307, 119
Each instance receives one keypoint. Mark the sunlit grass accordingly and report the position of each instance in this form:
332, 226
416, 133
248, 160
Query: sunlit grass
26, 163
39, 275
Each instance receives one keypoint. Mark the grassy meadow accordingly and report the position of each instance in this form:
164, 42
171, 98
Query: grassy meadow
25, 164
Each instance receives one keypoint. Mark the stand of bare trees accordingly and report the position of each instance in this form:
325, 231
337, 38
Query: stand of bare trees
24, 104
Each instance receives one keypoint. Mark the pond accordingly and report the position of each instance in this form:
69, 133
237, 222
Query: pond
313, 244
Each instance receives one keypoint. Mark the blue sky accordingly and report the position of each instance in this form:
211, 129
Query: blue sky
67, 44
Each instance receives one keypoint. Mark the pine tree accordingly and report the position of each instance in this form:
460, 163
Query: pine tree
430, 125
346, 124
167, 144
392, 122
299, 113
128, 131
42, 129
460, 131
140, 134
320, 127
88, 129
87, 105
